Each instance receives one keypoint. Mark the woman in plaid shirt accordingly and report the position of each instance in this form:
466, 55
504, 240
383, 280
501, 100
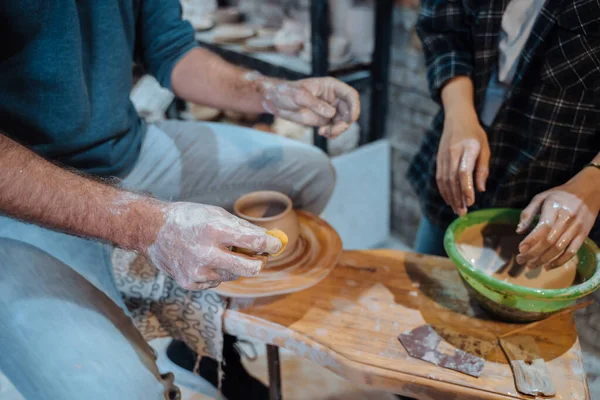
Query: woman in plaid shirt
519, 84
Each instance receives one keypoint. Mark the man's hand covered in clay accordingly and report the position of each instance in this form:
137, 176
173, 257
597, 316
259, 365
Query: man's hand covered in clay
567, 215
192, 246
326, 103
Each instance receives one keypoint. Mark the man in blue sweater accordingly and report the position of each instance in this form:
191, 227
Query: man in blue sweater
65, 118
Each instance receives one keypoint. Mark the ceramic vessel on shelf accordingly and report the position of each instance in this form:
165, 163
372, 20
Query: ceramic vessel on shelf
507, 300
234, 33
270, 210
260, 44
289, 39
338, 50
201, 23
360, 28
226, 15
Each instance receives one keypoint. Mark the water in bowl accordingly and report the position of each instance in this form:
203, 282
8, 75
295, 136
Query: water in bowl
492, 249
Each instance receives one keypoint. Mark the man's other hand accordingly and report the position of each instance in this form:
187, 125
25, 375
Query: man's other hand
326, 103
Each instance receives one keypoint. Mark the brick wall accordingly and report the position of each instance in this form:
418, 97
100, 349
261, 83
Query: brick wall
410, 113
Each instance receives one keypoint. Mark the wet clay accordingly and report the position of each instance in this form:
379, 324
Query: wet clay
492, 248
272, 211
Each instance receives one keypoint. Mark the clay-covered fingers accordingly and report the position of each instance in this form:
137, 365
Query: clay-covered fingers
235, 264
466, 170
252, 238
349, 97
225, 275
560, 248
571, 250
530, 212
305, 99
303, 116
545, 253
453, 179
342, 97
541, 238
483, 166
331, 131
340, 122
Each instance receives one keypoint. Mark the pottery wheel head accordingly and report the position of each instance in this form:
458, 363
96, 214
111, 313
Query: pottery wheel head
314, 257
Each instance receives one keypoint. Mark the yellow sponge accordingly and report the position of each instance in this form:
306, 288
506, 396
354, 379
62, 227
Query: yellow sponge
281, 236
275, 233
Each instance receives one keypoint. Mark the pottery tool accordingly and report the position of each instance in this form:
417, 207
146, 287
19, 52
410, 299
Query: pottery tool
275, 233
531, 372
424, 343
529, 368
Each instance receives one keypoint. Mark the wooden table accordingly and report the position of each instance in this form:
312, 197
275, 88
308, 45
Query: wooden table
349, 323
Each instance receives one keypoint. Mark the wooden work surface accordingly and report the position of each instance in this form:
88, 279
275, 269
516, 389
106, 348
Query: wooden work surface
349, 323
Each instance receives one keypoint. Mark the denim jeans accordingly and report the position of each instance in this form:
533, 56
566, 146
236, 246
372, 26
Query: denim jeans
430, 239
64, 329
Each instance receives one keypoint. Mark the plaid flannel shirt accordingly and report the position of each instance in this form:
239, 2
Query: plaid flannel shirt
547, 128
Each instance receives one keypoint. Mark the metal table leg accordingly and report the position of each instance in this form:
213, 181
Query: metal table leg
319, 22
380, 68
274, 372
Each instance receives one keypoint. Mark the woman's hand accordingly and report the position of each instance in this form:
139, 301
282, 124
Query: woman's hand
464, 150
568, 213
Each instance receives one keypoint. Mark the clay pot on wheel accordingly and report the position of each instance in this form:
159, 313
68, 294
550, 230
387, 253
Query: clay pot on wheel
270, 210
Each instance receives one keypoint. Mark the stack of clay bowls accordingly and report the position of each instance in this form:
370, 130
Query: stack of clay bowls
226, 15
232, 33
290, 38
339, 50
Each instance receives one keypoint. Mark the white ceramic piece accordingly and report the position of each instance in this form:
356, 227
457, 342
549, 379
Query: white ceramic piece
226, 15
360, 31
260, 43
232, 33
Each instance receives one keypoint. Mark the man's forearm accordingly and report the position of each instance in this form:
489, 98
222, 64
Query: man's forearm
34, 190
203, 77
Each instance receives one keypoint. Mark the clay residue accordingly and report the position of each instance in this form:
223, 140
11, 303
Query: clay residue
492, 248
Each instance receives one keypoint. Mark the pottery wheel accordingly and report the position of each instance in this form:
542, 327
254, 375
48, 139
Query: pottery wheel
315, 256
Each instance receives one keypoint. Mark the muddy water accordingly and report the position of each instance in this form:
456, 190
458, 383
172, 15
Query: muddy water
492, 248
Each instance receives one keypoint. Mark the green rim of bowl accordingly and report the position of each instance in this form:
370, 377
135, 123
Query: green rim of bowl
511, 215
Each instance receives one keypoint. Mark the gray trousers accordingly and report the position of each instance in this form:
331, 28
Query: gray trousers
64, 329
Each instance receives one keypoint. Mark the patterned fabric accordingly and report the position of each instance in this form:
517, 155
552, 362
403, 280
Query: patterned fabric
160, 308
546, 130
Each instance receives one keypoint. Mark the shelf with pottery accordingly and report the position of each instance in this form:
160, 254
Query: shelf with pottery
294, 64
351, 320
355, 50
278, 126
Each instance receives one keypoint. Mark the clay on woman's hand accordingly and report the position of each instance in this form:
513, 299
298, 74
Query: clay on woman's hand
567, 215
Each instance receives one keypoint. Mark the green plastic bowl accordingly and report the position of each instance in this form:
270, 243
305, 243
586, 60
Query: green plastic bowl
513, 302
